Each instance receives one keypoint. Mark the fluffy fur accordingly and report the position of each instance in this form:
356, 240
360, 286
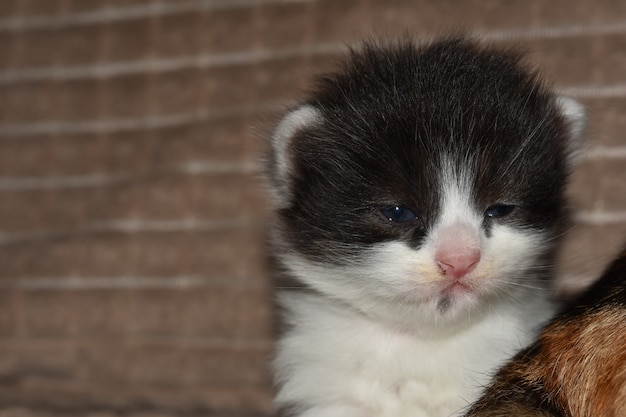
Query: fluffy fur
577, 367
419, 195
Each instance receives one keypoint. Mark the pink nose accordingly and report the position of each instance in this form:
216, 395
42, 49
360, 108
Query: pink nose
457, 263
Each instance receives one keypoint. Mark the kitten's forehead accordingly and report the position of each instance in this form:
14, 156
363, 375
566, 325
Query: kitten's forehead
457, 197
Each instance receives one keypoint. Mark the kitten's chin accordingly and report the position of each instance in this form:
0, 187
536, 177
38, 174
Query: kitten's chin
440, 316
453, 303
456, 298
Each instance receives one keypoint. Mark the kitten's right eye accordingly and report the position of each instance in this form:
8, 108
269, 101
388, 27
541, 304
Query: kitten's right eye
398, 214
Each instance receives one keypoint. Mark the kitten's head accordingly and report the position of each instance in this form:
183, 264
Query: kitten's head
430, 178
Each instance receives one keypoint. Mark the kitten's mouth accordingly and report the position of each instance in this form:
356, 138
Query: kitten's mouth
452, 293
457, 288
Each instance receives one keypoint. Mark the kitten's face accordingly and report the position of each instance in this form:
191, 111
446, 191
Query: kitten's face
431, 192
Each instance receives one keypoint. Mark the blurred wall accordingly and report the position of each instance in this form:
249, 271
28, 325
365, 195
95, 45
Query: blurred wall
133, 269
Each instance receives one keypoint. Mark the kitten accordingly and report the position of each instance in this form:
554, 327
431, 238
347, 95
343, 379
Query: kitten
577, 367
419, 195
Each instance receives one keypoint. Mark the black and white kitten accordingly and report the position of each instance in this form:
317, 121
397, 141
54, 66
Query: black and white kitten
419, 193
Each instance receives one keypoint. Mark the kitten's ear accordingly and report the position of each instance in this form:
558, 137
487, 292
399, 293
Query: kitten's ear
282, 162
575, 117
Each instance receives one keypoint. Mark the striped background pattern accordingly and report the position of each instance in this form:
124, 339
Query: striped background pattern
133, 269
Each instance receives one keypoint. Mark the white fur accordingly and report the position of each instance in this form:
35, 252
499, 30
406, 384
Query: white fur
574, 114
376, 342
338, 362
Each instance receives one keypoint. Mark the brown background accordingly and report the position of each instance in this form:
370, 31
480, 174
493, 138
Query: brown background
133, 274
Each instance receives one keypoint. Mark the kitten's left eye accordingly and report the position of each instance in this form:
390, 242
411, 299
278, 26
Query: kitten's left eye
499, 210
398, 214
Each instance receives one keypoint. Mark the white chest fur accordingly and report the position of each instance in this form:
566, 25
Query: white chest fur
335, 362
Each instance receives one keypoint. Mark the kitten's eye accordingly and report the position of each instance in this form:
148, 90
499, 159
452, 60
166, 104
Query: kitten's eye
499, 210
398, 214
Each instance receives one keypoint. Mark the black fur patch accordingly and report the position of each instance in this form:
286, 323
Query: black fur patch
392, 114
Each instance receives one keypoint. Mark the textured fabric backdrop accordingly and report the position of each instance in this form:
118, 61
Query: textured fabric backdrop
133, 271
